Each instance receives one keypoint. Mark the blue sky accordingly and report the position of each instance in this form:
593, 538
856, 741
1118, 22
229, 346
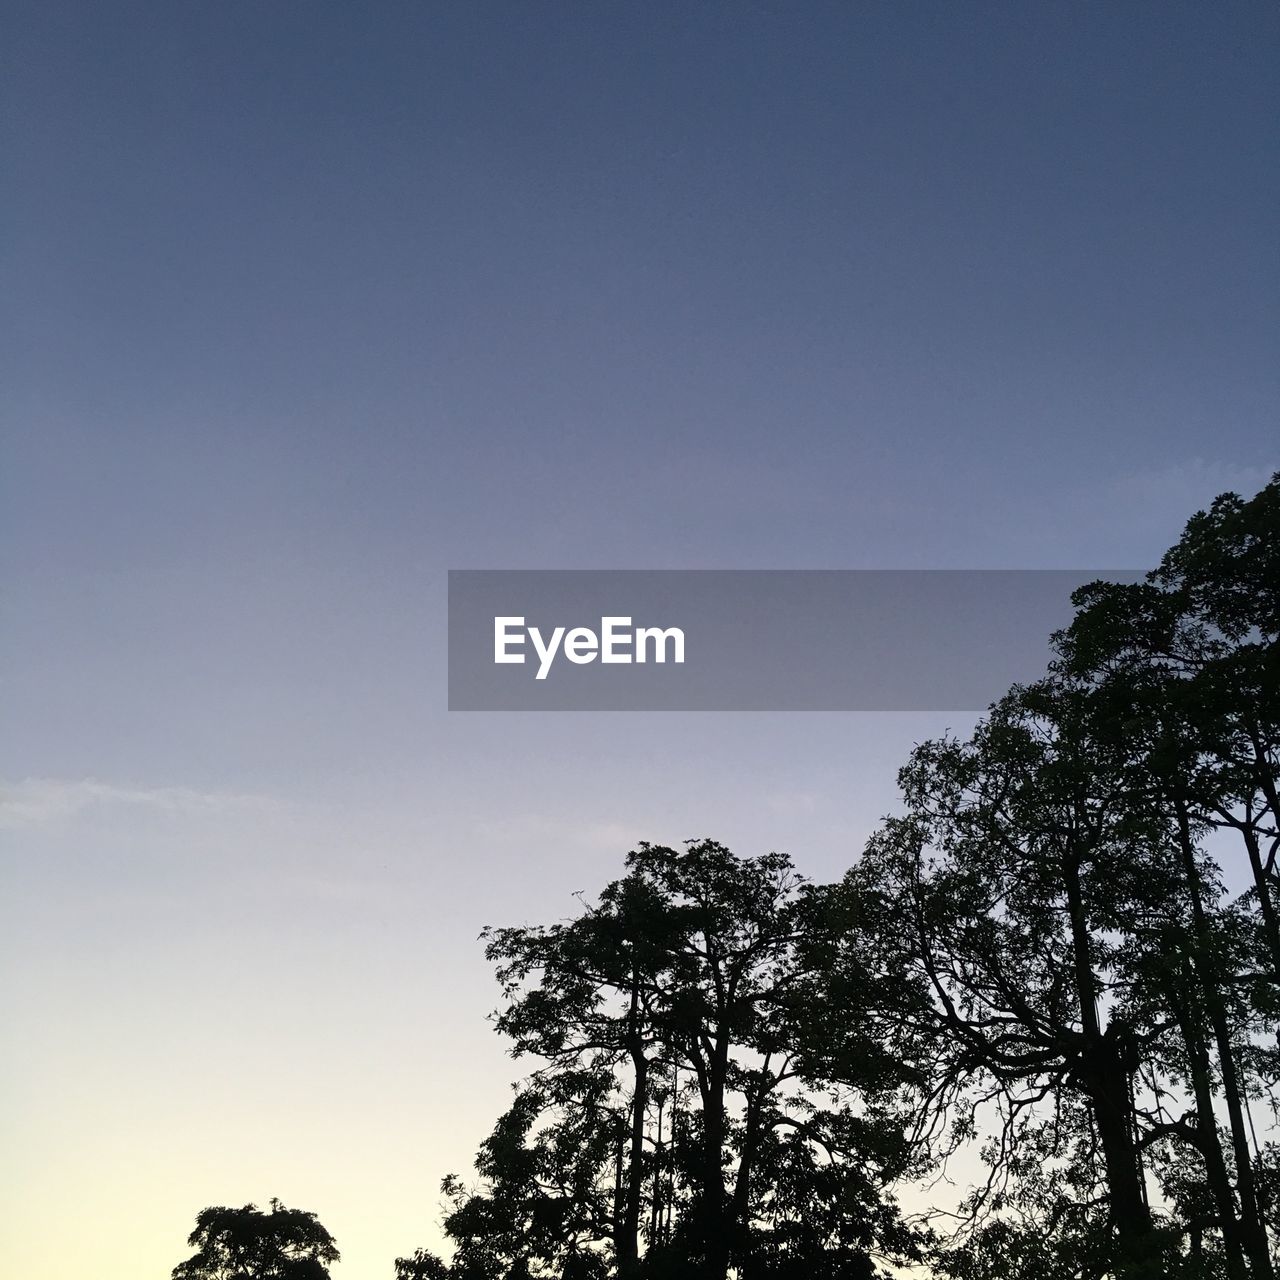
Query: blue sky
307, 304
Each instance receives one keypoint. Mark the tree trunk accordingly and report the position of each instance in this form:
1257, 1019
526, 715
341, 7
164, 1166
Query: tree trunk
1207, 1143
627, 1227
715, 1234
1106, 1084
1270, 924
1252, 1230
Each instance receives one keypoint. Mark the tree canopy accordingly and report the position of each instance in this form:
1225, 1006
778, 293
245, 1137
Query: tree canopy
1060, 954
1057, 961
249, 1244
671, 1126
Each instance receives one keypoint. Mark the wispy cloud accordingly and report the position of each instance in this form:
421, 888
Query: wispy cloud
40, 802
536, 829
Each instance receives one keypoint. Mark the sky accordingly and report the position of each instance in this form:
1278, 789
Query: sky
306, 304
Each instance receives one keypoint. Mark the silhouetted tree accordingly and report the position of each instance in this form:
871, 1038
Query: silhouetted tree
1188, 664
1015, 891
671, 1127
1076, 985
248, 1244
423, 1265
1042, 958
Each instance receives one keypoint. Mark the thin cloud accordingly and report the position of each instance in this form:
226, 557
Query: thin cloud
532, 828
41, 802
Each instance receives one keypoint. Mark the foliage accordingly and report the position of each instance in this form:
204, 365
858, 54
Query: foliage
248, 1244
1061, 955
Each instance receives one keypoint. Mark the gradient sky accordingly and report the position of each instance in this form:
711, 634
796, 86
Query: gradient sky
307, 303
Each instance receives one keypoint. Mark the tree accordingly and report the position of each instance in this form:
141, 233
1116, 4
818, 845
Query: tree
1063, 953
1074, 980
1198, 645
1189, 663
1015, 893
248, 1244
423, 1265
671, 1128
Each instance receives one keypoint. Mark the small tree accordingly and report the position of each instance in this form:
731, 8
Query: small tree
248, 1244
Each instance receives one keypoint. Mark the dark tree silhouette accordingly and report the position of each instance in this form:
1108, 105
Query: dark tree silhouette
423, 1265
671, 1127
248, 1244
1045, 959
1078, 992
1188, 664
1017, 893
